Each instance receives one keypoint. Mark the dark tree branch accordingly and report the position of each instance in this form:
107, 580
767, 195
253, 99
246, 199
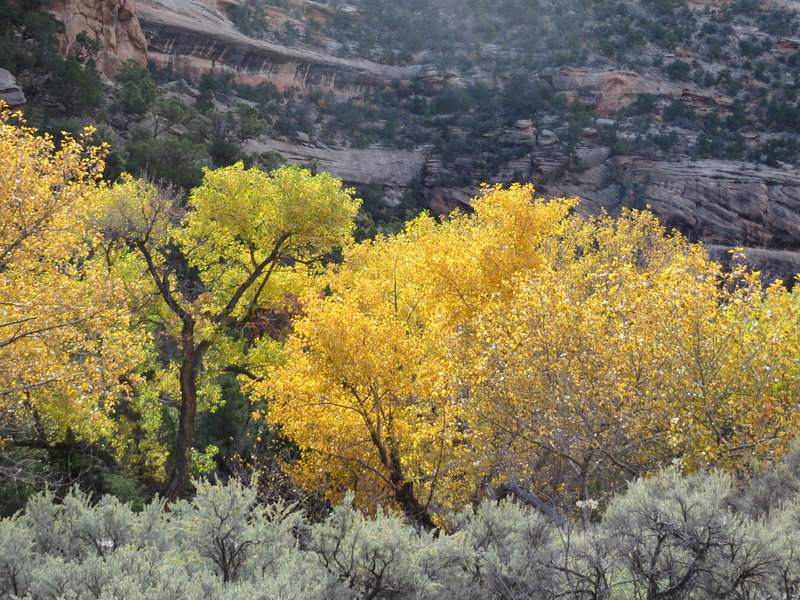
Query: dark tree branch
161, 284
515, 490
257, 272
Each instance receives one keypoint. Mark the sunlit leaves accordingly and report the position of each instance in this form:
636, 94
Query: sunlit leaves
240, 219
524, 343
206, 272
367, 390
65, 345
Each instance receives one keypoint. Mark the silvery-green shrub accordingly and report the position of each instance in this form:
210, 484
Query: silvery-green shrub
17, 557
677, 536
669, 536
512, 550
384, 558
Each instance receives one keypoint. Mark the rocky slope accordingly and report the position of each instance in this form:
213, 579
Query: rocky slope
687, 108
10, 92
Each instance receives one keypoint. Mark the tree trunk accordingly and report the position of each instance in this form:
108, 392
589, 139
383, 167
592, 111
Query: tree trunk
181, 456
583, 489
413, 508
509, 488
403, 490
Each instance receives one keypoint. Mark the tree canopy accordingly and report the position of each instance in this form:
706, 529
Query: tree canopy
525, 343
65, 341
243, 241
520, 346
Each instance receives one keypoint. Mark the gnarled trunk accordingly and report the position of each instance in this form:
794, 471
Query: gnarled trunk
412, 508
404, 494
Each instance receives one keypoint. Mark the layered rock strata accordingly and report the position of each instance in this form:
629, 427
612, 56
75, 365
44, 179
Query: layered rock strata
192, 39
613, 89
371, 166
723, 203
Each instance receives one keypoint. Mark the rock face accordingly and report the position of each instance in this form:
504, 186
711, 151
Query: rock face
785, 4
432, 76
113, 22
372, 166
720, 202
194, 38
773, 264
547, 138
791, 45
697, 4
10, 92
723, 203
613, 89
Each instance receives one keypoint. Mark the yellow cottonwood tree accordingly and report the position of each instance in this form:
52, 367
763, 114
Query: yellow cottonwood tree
733, 372
613, 364
65, 343
243, 241
366, 391
565, 377
522, 343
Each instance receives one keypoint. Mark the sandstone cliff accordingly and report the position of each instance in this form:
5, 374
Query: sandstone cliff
720, 202
733, 62
371, 166
612, 89
113, 22
724, 204
193, 38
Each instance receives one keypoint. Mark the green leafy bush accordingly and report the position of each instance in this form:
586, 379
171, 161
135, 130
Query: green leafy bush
137, 91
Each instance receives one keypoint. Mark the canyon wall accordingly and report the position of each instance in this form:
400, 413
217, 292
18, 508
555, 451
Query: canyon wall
113, 23
719, 202
612, 89
192, 38
724, 203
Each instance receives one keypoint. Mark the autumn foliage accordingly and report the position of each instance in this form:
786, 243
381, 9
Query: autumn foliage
525, 343
65, 340
203, 271
521, 343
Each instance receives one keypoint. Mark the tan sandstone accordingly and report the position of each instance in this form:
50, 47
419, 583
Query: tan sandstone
113, 22
613, 89
193, 37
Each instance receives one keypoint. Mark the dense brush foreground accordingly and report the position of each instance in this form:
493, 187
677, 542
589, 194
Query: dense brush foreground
670, 536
